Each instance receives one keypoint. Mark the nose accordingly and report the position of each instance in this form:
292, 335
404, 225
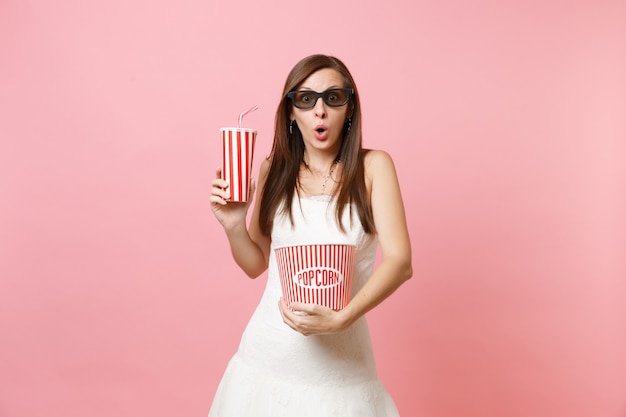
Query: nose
320, 108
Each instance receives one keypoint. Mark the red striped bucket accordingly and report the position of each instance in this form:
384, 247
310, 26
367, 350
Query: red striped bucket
237, 154
316, 274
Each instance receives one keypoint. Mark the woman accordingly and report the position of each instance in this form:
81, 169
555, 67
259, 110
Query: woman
317, 186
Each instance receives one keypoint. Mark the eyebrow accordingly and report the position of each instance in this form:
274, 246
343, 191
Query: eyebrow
310, 89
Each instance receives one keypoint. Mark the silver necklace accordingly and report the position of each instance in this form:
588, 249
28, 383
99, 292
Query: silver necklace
325, 177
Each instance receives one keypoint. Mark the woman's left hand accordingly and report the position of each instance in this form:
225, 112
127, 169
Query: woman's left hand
310, 319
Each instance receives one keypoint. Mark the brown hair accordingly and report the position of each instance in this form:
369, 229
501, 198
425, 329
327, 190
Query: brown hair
288, 151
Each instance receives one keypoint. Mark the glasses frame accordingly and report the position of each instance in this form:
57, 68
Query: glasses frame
349, 92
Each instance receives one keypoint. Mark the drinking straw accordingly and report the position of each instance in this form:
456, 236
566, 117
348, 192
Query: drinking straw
246, 112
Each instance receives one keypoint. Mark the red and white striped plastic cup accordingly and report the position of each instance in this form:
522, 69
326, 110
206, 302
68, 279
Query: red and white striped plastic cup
237, 154
316, 274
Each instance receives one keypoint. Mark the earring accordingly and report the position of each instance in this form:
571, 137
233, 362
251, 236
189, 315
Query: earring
291, 127
349, 122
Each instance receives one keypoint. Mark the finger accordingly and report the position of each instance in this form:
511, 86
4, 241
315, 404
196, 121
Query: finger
217, 200
286, 314
292, 311
284, 309
219, 192
218, 182
219, 187
304, 308
216, 192
287, 310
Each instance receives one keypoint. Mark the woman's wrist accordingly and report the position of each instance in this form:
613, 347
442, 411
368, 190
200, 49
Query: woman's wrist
347, 317
236, 229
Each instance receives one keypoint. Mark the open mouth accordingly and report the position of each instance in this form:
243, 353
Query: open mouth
321, 132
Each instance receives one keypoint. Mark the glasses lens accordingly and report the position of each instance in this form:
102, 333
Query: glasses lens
336, 97
304, 99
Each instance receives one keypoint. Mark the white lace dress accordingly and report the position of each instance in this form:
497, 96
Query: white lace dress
278, 372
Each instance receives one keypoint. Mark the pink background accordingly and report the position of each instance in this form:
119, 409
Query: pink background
507, 123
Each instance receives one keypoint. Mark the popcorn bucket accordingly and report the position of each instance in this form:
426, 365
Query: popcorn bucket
316, 274
237, 154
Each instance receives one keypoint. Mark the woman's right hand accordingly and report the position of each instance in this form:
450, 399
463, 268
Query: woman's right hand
230, 214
